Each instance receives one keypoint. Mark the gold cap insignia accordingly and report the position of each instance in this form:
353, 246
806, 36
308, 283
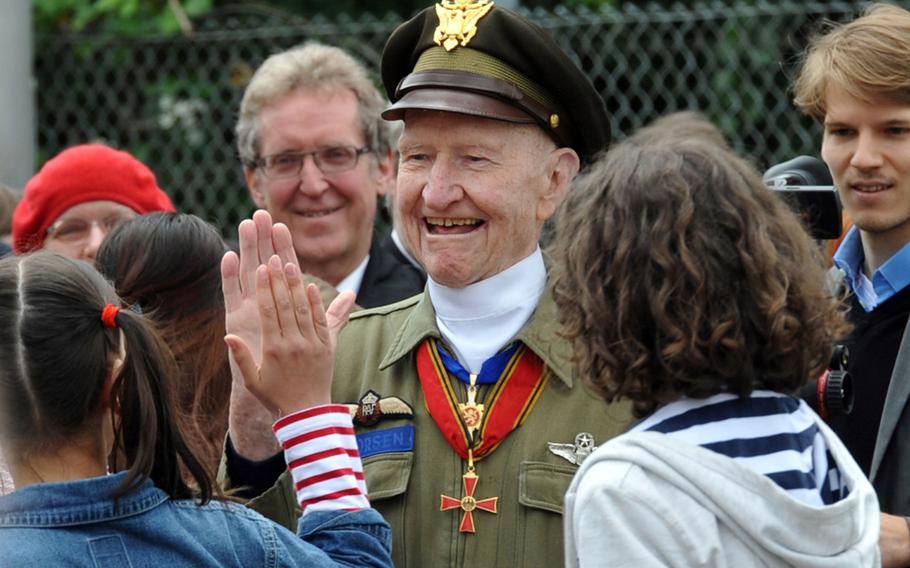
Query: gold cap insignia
554, 121
458, 21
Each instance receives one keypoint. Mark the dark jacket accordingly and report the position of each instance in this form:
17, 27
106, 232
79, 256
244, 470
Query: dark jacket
389, 276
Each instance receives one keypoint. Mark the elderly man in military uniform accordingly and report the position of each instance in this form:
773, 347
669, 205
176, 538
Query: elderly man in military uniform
469, 421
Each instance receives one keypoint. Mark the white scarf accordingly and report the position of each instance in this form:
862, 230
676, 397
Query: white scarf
481, 318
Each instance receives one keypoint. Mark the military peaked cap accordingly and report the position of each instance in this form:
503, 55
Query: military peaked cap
471, 57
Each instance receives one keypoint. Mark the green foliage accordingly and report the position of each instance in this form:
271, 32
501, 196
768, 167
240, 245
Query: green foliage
551, 4
332, 8
122, 18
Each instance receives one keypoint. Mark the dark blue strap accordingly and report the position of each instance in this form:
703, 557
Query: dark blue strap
735, 408
798, 442
490, 371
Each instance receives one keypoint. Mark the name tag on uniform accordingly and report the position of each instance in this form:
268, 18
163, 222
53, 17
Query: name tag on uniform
386, 441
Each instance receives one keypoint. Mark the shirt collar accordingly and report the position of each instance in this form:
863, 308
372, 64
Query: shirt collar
498, 294
849, 255
480, 319
896, 270
352, 281
889, 279
849, 258
541, 335
399, 244
76, 502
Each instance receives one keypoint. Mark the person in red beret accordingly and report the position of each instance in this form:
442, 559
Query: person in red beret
79, 196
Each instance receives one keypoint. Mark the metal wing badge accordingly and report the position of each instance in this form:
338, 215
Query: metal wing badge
577, 452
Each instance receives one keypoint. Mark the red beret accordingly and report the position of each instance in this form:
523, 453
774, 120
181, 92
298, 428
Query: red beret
89, 172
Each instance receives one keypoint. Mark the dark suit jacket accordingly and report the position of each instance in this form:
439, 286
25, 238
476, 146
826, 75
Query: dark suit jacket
389, 276
890, 472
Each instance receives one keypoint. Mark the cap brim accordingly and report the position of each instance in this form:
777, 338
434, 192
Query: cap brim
461, 102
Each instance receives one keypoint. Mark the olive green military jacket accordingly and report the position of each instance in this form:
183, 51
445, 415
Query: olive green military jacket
408, 464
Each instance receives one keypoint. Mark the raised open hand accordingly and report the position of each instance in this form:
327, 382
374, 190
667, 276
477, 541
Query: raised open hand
298, 340
259, 241
250, 422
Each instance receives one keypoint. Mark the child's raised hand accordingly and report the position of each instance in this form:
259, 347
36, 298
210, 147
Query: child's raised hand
298, 340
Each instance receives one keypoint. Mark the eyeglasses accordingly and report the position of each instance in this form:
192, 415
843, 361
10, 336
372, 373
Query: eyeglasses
76, 230
333, 160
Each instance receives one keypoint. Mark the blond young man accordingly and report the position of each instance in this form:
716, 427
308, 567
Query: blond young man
855, 81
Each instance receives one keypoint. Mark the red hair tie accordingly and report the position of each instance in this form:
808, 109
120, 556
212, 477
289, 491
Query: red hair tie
109, 315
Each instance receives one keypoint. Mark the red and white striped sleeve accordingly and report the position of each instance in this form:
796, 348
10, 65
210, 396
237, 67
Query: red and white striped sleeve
321, 451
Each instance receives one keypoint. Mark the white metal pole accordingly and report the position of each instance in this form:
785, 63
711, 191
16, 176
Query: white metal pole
17, 94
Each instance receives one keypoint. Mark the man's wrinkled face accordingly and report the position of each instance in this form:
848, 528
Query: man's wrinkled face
330, 215
867, 147
473, 193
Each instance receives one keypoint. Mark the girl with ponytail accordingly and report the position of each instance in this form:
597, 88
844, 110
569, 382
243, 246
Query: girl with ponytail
87, 389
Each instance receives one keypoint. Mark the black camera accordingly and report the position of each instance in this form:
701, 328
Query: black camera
832, 394
806, 185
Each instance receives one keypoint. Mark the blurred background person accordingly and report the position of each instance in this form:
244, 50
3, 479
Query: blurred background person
79, 196
168, 266
317, 156
681, 125
705, 305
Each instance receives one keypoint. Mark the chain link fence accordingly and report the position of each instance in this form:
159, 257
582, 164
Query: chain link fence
173, 101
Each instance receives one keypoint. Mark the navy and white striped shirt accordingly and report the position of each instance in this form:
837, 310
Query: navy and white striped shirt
770, 433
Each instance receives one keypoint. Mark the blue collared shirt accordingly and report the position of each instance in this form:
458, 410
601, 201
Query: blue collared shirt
890, 278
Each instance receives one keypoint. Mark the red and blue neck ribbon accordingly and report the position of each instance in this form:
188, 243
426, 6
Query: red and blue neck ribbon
490, 371
508, 403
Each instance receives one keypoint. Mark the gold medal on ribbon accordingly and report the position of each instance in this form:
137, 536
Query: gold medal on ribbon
471, 411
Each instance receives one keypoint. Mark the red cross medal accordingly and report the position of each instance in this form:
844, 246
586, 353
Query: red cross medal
468, 503
473, 429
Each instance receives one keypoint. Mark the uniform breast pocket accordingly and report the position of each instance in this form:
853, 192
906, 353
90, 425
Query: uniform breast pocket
541, 492
387, 473
543, 485
388, 455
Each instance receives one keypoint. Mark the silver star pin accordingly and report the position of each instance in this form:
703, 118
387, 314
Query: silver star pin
577, 452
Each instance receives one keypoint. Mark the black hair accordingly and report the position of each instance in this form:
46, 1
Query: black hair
55, 357
168, 264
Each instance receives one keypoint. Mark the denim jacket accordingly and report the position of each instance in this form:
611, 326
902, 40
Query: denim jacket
76, 524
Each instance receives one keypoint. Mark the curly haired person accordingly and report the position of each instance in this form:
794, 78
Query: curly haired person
691, 290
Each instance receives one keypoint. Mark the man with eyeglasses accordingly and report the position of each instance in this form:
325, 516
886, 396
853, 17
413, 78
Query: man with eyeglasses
79, 196
317, 156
